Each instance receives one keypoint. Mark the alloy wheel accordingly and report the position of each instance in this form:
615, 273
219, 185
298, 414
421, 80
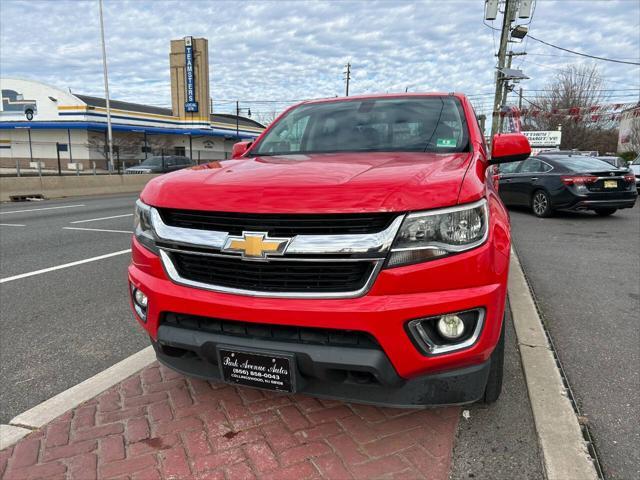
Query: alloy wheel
540, 203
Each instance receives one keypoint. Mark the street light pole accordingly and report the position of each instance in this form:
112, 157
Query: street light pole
348, 77
106, 91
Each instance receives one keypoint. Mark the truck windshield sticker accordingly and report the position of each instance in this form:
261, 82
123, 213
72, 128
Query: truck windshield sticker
446, 142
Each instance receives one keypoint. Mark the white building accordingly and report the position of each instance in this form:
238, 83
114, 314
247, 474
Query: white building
629, 133
41, 123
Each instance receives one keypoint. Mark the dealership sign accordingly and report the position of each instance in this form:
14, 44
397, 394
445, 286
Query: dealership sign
190, 105
545, 138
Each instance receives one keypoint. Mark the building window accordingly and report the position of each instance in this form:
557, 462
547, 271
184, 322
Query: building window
180, 151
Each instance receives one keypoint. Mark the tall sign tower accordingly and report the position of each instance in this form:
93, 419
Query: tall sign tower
189, 64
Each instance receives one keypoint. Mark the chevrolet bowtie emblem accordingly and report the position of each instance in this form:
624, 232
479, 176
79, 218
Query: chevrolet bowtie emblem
255, 245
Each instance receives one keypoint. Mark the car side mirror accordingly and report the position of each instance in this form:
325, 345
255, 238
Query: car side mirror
240, 148
509, 147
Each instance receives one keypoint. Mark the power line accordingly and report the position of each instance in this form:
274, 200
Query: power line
604, 59
567, 56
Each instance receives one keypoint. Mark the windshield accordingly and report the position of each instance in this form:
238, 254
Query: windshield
153, 162
636, 161
423, 124
583, 164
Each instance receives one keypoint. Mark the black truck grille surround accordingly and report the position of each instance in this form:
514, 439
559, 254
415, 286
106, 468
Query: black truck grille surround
279, 333
275, 276
278, 224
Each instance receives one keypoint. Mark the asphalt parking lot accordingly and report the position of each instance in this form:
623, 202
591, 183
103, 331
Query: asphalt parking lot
61, 326
583, 271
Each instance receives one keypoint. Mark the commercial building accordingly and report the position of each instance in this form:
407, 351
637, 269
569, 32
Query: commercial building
41, 125
629, 132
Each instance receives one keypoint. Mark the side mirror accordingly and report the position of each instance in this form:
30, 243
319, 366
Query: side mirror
240, 148
509, 147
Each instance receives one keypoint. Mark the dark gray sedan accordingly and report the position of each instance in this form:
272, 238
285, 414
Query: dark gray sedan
161, 164
546, 183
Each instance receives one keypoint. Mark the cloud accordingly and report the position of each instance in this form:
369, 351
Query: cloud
294, 50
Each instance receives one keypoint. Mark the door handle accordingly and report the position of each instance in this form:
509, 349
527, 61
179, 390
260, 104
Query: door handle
534, 178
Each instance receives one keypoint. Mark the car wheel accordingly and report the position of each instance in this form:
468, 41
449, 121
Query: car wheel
541, 204
494, 382
29, 114
605, 212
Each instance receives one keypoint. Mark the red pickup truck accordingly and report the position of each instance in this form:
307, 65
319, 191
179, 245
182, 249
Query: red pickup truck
356, 250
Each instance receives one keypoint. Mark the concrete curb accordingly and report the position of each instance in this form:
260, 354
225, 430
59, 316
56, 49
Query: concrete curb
564, 450
10, 435
40, 415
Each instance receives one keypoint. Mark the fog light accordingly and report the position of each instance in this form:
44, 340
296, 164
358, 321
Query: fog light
446, 333
451, 326
140, 303
140, 298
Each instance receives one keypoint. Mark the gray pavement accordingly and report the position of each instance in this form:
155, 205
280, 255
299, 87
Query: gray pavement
499, 441
61, 327
584, 271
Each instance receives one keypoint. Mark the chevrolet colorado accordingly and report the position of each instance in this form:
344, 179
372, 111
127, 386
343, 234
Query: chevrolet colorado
356, 250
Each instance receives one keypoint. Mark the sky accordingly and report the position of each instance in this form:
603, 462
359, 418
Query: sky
268, 54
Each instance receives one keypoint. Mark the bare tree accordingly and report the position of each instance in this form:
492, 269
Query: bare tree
160, 144
565, 100
266, 118
123, 145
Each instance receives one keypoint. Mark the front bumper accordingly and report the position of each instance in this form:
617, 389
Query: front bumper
371, 378
404, 376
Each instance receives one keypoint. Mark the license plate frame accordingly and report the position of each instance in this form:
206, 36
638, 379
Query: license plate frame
610, 184
234, 370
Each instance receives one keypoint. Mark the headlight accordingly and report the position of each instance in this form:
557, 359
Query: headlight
427, 235
143, 226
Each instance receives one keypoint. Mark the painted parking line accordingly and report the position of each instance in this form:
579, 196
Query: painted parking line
40, 209
103, 218
65, 265
98, 230
12, 225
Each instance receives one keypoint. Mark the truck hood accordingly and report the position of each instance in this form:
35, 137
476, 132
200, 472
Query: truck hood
318, 183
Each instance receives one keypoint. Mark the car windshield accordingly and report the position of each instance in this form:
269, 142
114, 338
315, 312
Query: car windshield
584, 164
636, 161
153, 162
415, 124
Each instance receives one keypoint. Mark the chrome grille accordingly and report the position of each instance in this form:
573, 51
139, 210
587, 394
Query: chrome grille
278, 276
310, 266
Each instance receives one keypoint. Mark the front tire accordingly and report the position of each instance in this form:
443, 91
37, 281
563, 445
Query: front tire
541, 204
605, 212
29, 114
496, 371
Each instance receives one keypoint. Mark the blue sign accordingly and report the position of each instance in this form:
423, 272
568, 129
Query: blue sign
190, 77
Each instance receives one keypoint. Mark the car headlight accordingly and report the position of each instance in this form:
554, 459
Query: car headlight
432, 234
143, 226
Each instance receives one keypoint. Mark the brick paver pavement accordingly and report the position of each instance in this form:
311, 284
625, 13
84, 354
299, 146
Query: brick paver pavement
159, 424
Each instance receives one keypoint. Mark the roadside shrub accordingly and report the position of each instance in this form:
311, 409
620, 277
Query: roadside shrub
628, 156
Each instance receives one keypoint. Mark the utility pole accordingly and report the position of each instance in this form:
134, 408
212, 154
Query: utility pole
520, 99
238, 119
348, 76
509, 14
106, 92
